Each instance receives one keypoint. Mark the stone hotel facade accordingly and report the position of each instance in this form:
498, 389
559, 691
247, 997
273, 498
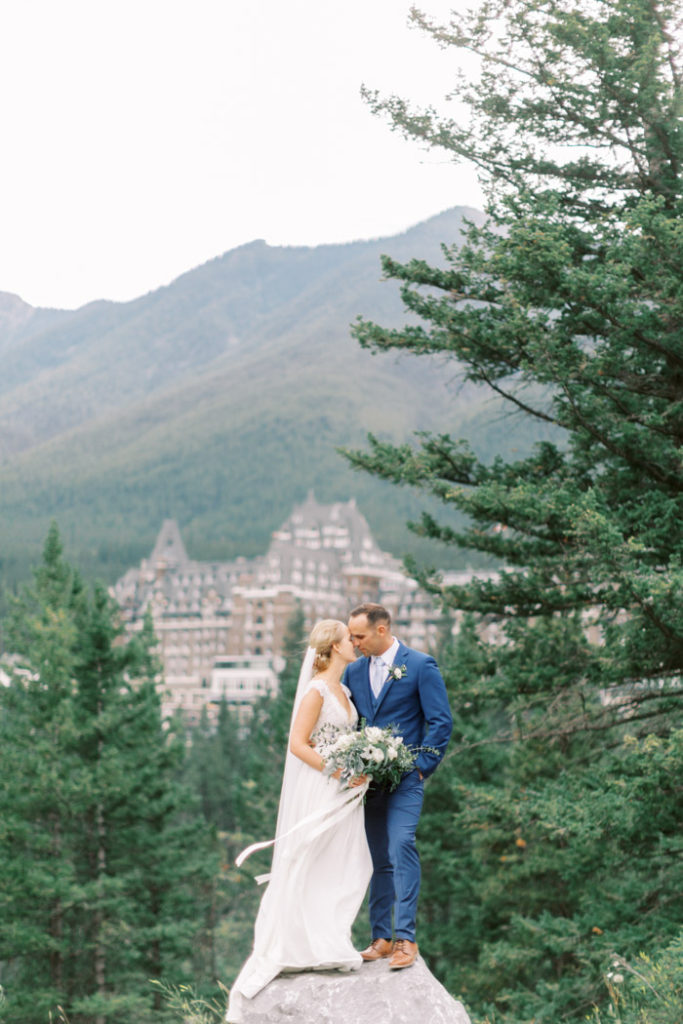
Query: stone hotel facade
221, 625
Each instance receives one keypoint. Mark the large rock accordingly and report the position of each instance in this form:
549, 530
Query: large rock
371, 995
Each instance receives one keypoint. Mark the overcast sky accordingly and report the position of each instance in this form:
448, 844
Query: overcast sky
141, 138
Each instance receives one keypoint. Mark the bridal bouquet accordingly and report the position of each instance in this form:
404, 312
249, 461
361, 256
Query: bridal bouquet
378, 753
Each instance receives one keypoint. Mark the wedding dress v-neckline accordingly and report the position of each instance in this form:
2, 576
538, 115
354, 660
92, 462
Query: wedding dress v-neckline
349, 709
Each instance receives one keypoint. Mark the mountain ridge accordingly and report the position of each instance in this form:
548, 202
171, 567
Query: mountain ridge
219, 400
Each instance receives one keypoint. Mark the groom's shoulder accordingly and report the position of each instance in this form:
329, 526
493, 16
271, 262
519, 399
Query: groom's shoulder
416, 657
413, 652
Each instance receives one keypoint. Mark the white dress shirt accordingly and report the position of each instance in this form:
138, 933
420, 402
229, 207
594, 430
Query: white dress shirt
379, 667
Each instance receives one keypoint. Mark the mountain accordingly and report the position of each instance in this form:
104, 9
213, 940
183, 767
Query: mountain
219, 400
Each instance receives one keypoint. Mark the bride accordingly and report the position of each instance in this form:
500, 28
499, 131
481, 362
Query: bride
321, 863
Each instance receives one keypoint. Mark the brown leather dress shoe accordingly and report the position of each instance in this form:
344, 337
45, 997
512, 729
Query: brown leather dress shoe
404, 955
378, 950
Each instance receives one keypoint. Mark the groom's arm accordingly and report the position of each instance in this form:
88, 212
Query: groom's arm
437, 712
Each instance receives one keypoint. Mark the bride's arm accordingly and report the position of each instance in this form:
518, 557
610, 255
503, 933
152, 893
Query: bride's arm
303, 726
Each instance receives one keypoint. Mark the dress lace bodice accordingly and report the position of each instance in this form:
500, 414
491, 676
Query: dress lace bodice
333, 713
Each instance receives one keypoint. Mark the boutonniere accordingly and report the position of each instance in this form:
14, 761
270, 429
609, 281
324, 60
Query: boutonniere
397, 671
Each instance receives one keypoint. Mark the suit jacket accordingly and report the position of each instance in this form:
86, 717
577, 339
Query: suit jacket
417, 704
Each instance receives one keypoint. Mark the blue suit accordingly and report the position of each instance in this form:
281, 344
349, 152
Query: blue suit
417, 704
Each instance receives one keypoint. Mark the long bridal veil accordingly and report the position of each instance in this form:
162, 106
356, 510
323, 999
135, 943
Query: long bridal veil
289, 814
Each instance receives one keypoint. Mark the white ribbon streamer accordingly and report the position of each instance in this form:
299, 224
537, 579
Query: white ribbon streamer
324, 817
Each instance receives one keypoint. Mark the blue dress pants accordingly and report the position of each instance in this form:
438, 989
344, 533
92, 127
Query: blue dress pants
390, 824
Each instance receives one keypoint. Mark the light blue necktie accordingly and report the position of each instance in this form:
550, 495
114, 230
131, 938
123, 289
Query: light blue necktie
377, 674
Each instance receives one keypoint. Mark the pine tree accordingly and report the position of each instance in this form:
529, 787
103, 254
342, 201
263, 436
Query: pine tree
111, 870
566, 304
37, 789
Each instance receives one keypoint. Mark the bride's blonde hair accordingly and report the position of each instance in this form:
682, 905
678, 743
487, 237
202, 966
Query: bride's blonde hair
323, 636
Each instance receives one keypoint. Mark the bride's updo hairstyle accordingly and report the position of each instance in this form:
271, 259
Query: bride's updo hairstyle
323, 635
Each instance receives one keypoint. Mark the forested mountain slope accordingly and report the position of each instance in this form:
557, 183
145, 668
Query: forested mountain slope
219, 399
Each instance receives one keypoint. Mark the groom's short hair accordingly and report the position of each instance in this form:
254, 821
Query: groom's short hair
375, 613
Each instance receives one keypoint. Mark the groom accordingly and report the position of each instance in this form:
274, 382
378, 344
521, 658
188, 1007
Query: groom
395, 685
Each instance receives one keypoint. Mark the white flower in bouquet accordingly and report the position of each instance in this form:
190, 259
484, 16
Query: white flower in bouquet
377, 753
344, 741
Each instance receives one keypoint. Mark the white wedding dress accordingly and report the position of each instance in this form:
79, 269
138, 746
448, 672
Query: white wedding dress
320, 871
